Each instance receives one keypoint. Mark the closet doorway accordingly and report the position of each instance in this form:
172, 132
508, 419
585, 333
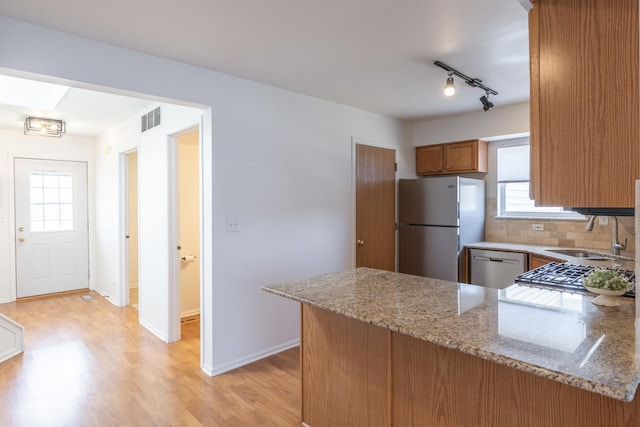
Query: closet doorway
131, 234
187, 277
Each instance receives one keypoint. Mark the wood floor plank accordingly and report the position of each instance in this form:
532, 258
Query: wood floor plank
91, 363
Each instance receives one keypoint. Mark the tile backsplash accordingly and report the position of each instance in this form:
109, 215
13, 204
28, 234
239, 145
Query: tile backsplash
563, 233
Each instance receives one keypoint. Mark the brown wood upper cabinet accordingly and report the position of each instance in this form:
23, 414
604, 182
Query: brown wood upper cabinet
584, 102
452, 158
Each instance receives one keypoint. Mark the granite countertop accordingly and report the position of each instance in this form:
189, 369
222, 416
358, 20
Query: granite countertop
559, 336
617, 261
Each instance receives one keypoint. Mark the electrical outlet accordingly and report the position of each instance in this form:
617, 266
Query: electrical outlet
603, 220
537, 227
233, 225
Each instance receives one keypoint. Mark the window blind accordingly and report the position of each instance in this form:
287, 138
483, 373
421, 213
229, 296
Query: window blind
513, 164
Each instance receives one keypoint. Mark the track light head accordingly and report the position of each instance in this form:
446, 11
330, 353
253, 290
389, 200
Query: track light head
449, 88
486, 104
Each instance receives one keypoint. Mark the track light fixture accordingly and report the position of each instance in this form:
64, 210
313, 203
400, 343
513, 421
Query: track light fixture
450, 89
486, 104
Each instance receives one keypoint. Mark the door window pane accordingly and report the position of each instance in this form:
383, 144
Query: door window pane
66, 195
36, 195
51, 201
66, 181
51, 195
37, 212
66, 211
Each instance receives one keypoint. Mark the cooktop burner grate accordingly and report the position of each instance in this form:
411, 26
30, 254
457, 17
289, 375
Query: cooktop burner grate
566, 275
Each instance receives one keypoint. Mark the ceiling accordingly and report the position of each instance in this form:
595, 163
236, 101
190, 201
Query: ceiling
85, 112
376, 55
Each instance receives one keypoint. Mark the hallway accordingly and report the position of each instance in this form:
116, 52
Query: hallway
87, 362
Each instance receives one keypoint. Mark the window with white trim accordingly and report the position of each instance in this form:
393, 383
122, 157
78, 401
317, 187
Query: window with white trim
513, 187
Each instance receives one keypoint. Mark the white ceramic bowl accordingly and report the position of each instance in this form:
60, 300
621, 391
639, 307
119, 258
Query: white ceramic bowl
606, 297
607, 292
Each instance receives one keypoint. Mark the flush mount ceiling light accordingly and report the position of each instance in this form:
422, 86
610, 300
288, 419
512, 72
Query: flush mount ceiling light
450, 89
44, 127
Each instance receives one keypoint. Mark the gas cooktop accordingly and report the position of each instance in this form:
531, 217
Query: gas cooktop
566, 276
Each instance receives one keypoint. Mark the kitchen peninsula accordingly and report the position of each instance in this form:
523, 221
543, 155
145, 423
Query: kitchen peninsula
388, 349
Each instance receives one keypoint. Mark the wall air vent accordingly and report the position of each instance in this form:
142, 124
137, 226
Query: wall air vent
150, 120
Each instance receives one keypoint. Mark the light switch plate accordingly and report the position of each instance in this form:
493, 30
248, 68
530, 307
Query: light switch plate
603, 220
233, 225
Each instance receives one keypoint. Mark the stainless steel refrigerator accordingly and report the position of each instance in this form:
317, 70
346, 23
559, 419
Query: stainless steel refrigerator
438, 216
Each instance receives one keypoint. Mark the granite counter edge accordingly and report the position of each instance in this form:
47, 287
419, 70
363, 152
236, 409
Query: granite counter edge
625, 394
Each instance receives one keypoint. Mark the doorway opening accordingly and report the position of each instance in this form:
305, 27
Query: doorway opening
186, 286
131, 235
108, 248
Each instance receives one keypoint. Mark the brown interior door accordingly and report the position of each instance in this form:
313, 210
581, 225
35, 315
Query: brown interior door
375, 207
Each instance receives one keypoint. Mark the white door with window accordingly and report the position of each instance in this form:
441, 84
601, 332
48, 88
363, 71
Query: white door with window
52, 249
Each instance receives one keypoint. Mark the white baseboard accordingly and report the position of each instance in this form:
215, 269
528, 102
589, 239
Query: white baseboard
207, 369
153, 330
190, 313
250, 359
108, 298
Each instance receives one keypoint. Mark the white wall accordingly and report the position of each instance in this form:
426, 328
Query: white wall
278, 161
189, 214
16, 144
107, 205
155, 252
499, 122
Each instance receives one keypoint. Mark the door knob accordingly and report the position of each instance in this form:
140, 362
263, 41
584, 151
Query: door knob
360, 242
20, 239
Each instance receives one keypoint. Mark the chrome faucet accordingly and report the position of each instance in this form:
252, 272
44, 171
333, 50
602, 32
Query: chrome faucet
592, 220
616, 246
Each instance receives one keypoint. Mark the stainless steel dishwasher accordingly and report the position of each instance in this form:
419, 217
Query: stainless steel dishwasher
496, 269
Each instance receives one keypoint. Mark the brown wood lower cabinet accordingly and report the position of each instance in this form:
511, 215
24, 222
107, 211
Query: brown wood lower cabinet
536, 261
356, 374
343, 361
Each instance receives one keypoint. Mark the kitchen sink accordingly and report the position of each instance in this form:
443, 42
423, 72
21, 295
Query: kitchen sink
577, 253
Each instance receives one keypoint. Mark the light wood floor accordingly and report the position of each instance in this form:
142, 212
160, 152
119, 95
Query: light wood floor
133, 296
89, 363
